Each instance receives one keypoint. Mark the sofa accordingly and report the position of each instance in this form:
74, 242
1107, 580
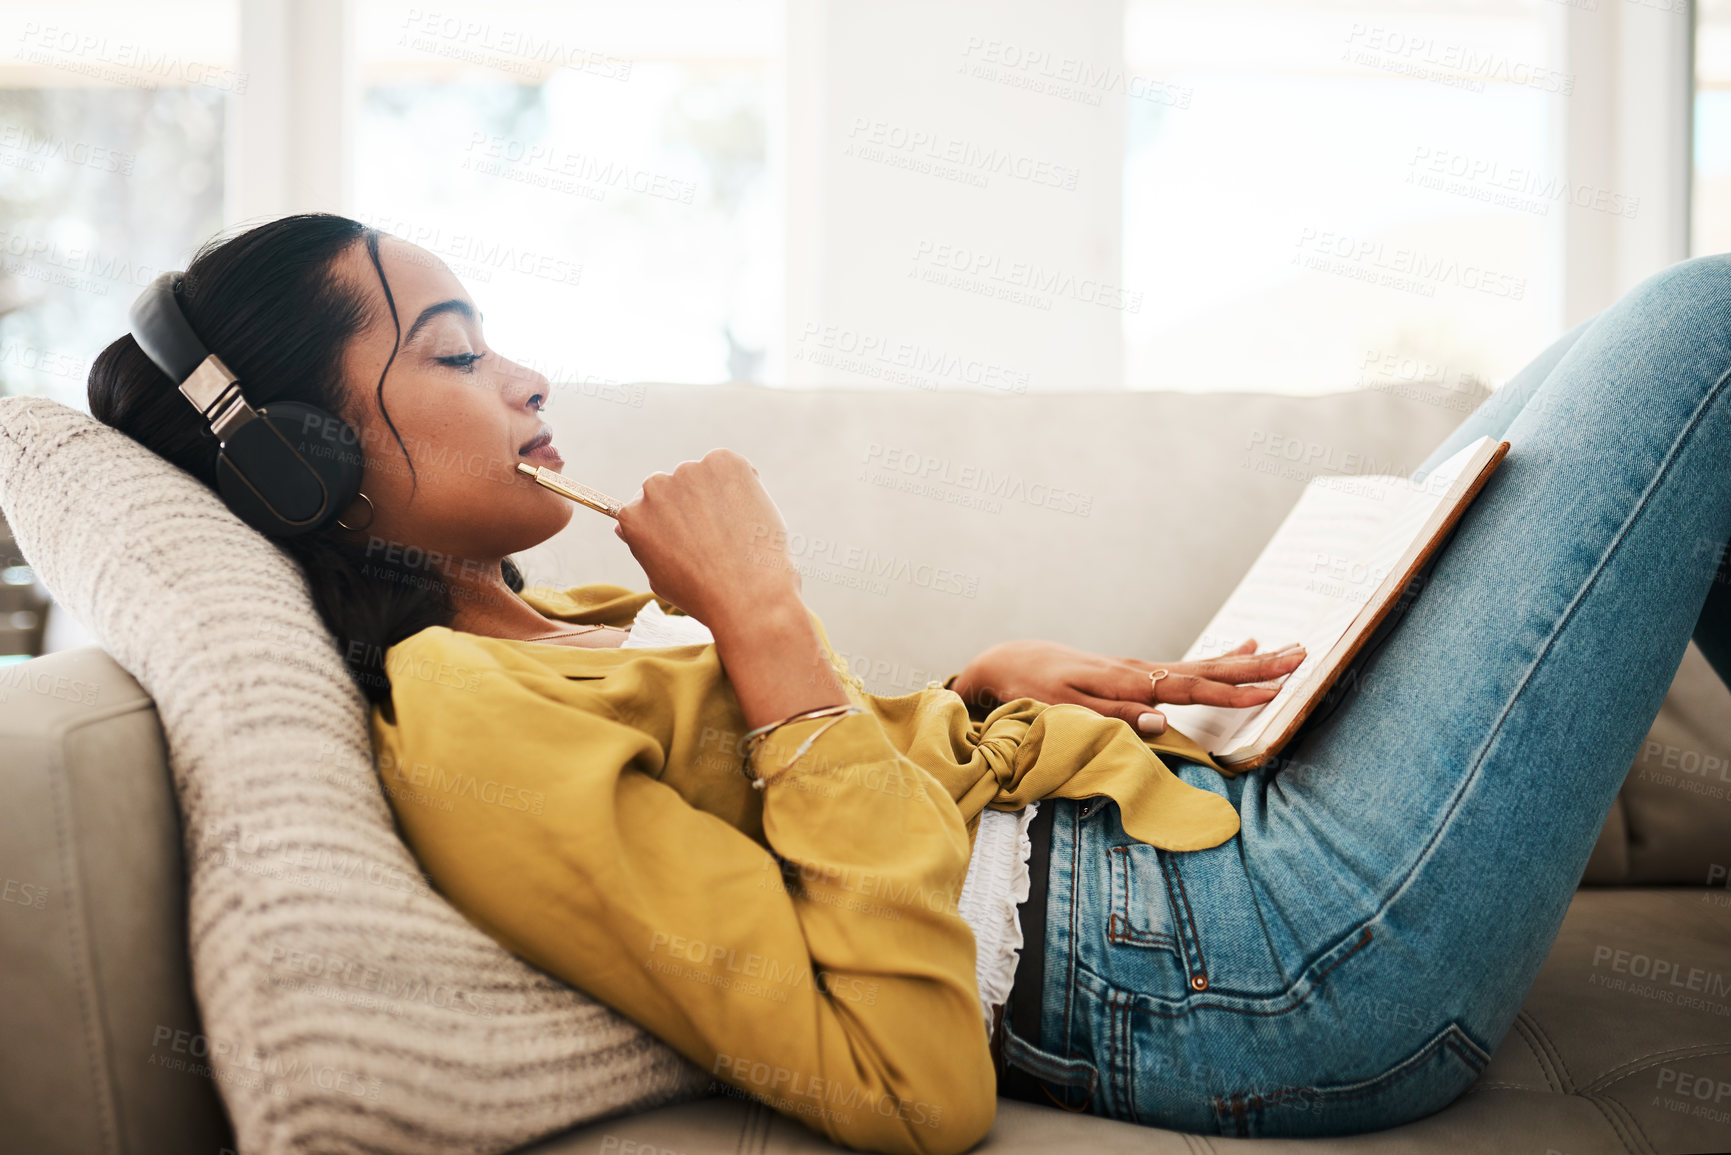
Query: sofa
927, 525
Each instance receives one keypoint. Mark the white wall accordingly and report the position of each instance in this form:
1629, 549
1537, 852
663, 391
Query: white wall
885, 113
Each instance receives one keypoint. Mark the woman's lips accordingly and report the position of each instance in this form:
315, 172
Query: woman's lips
546, 455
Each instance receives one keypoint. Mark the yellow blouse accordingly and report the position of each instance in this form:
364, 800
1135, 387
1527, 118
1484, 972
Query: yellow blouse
585, 807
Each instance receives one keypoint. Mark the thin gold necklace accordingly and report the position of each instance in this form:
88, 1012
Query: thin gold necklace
570, 633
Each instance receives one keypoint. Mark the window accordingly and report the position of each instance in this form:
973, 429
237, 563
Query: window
1277, 195
1338, 195
111, 170
595, 174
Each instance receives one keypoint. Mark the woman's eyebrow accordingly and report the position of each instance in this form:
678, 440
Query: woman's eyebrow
462, 308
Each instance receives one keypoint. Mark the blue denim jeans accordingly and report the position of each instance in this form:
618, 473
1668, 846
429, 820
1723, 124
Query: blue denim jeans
1349, 961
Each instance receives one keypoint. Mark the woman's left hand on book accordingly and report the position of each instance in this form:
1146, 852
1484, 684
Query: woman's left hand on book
1120, 687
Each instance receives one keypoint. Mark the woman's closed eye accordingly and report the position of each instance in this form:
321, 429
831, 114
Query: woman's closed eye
464, 362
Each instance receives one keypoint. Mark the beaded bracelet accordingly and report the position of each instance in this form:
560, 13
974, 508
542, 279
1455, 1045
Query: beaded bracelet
755, 739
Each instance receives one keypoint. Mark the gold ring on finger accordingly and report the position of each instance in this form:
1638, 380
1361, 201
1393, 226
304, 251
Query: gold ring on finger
1154, 677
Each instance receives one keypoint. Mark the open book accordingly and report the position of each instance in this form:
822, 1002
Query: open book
1328, 578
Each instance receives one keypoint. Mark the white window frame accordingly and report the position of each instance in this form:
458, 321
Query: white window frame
291, 138
1646, 49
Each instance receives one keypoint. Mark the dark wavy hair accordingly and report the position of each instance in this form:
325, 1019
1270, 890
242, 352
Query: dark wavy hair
269, 302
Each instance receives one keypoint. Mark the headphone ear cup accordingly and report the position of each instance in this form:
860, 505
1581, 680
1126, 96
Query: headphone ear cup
292, 471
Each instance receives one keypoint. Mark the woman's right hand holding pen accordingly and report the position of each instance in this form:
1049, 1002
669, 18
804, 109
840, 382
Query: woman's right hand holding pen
712, 542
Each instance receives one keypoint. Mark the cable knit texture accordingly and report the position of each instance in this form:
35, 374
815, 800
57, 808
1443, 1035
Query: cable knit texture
347, 1005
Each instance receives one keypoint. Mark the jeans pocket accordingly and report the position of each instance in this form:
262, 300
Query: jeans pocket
1140, 913
1419, 1084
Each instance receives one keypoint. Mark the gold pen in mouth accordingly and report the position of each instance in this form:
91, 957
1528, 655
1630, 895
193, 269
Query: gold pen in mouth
565, 487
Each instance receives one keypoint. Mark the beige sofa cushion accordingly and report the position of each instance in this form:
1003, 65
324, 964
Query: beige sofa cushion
329, 975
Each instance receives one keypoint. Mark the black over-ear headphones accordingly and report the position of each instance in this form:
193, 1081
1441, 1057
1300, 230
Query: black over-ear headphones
286, 468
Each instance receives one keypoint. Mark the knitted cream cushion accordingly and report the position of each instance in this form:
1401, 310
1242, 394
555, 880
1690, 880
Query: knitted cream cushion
354, 1008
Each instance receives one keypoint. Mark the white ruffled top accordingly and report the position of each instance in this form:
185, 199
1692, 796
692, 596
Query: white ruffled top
997, 880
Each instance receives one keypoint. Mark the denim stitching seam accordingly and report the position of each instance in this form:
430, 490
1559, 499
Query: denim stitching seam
1070, 967
1448, 1040
1126, 1060
1364, 937
1191, 938
1119, 928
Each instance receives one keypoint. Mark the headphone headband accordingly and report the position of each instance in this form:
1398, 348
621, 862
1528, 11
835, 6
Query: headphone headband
160, 327
285, 469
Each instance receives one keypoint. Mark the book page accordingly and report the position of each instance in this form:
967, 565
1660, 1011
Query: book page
1293, 589
1334, 557
1374, 579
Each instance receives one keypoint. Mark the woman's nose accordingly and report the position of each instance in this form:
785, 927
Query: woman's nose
525, 386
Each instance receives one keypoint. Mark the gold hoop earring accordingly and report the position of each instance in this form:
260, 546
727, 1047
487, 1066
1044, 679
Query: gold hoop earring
370, 513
